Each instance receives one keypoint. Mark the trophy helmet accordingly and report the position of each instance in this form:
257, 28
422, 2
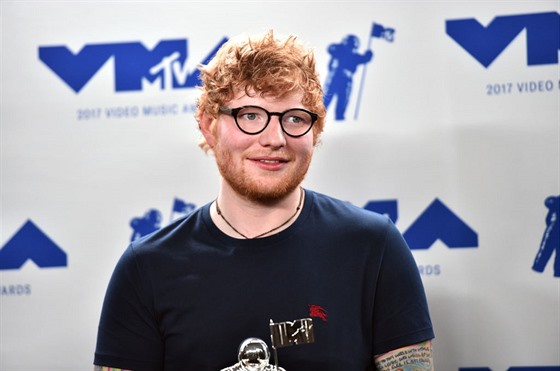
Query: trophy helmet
253, 355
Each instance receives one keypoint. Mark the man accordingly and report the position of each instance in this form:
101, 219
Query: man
185, 297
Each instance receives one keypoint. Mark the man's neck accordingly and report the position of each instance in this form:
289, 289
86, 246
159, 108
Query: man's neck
245, 218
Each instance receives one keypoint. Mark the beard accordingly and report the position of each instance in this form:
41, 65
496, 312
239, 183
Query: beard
262, 188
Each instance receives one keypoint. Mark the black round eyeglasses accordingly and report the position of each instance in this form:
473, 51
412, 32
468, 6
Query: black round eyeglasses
252, 120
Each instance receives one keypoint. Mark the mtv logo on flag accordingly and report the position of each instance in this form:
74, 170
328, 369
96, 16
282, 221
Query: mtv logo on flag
180, 206
289, 333
381, 32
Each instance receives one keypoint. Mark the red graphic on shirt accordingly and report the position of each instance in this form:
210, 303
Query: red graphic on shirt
317, 311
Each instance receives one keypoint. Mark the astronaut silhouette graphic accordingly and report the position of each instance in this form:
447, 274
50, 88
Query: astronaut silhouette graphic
551, 238
146, 224
343, 64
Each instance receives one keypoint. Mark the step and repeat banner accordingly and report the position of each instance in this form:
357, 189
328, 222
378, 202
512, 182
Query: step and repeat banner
449, 123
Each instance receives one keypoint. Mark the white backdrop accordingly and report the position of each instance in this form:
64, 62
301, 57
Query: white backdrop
434, 127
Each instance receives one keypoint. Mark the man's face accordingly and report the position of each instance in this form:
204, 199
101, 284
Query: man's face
267, 166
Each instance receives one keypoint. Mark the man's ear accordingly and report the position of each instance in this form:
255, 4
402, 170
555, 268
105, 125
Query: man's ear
207, 127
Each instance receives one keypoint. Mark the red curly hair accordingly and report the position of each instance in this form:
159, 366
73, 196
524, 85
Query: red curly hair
262, 65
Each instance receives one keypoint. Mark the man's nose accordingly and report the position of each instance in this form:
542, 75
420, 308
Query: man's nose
273, 135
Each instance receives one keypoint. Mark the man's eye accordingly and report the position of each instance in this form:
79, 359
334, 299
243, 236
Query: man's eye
297, 120
294, 119
250, 116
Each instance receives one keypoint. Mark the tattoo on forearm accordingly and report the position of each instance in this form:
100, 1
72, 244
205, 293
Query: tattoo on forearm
414, 358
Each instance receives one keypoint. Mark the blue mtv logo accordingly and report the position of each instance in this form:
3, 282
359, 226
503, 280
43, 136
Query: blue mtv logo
436, 222
485, 44
30, 243
134, 63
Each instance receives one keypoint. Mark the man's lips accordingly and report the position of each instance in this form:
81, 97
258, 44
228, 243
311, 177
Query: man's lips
269, 163
269, 158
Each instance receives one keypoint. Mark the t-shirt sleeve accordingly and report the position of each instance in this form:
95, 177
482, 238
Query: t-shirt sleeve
128, 335
401, 315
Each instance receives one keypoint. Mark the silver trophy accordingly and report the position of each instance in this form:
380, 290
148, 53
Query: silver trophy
254, 354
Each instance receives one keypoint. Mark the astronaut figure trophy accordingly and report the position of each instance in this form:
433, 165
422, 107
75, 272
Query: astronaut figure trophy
254, 354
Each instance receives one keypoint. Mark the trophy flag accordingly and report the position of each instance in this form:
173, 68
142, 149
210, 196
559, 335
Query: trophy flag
377, 31
288, 333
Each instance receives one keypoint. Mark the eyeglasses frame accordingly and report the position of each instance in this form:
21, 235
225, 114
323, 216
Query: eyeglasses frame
234, 111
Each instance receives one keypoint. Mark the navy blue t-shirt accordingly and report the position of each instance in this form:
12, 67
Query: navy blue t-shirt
185, 297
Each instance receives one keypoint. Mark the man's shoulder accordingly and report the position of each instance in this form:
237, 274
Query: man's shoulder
345, 211
333, 219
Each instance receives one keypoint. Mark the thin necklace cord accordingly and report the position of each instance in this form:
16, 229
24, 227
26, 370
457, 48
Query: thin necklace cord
267, 232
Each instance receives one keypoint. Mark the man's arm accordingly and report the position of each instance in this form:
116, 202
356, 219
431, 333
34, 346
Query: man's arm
103, 368
417, 357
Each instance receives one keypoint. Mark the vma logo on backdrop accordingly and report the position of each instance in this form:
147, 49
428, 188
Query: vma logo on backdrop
134, 64
31, 243
486, 43
436, 223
